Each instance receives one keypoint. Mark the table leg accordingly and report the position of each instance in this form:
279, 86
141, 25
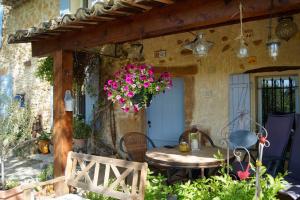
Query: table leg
202, 172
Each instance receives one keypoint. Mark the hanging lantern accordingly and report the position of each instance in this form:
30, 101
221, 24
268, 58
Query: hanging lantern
68, 101
243, 50
273, 48
286, 28
199, 46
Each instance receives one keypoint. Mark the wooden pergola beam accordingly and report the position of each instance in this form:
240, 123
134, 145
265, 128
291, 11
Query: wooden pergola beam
179, 17
63, 125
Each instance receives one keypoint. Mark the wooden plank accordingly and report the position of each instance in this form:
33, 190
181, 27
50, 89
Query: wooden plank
96, 174
179, 17
63, 125
106, 175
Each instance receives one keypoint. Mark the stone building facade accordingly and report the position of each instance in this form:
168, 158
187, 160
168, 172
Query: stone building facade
16, 60
207, 101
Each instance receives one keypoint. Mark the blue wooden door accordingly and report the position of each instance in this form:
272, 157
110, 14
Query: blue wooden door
166, 115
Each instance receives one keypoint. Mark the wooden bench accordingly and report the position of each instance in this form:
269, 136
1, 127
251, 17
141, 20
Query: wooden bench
111, 177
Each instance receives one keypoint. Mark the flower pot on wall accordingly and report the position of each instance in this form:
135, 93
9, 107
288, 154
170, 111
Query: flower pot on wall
44, 146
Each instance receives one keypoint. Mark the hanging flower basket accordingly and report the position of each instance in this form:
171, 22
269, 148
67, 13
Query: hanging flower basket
134, 86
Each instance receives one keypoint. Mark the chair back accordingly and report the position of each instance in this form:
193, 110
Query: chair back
120, 179
135, 144
294, 161
279, 129
185, 136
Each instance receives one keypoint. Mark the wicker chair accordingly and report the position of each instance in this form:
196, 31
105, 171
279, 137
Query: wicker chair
135, 144
185, 136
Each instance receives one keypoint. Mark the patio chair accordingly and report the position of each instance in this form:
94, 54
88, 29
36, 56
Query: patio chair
293, 190
185, 136
136, 145
279, 129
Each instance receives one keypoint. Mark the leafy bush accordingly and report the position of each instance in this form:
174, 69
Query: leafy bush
45, 136
81, 129
221, 187
46, 174
45, 70
11, 184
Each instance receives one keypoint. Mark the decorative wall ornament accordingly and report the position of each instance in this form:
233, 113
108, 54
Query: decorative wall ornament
242, 52
199, 45
286, 28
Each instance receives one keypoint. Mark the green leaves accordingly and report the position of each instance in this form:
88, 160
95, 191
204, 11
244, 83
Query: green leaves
45, 70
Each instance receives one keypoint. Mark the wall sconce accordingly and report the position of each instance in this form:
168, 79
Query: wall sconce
68, 101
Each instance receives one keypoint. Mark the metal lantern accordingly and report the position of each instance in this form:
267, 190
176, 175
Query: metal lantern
286, 28
68, 101
273, 48
199, 46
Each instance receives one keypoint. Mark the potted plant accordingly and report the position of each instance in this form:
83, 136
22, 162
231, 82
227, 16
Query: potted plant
44, 142
81, 133
134, 86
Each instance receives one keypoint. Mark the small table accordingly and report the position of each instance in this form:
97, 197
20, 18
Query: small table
173, 158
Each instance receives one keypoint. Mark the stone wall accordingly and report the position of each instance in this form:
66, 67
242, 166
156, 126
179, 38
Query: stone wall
16, 58
208, 90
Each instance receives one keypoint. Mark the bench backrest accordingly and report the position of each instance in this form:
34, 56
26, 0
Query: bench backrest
111, 177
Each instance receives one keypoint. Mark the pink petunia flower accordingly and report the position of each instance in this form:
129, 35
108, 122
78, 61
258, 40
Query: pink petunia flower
115, 85
146, 85
130, 94
157, 88
136, 108
122, 100
109, 82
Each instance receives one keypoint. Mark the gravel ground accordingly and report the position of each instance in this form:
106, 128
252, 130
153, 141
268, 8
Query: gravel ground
26, 169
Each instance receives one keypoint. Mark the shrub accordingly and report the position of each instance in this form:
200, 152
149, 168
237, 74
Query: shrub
11, 184
81, 129
46, 174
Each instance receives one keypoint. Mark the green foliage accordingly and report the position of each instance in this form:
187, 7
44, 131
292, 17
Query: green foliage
96, 196
46, 174
11, 184
45, 136
156, 187
15, 127
45, 70
81, 129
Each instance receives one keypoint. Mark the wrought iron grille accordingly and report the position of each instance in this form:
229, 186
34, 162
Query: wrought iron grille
278, 96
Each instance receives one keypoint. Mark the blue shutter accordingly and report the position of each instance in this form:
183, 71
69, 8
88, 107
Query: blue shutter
6, 85
239, 100
1, 24
64, 7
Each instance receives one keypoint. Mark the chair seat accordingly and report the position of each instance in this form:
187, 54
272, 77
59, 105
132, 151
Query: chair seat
292, 191
70, 197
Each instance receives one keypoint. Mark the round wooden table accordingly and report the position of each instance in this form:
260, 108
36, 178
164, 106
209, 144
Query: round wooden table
173, 158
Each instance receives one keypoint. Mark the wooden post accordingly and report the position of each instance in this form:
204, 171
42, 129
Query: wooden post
63, 121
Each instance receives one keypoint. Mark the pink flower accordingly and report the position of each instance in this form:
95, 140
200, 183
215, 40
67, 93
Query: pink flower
244, 174
136, 108
115, 85
142, 67
126, 88
151, 80
151, 71
122, 100
157, 88
130, 94
129, 80
143, 77
105, 87
125, 109
146, 85
109, 82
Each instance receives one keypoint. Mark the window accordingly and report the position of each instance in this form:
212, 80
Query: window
277, 95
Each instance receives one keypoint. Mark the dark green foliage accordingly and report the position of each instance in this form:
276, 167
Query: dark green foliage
45, 70
46, 174
81, 129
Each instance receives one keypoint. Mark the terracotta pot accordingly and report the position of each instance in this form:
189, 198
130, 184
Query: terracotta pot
79, 143
16, 193
44, 146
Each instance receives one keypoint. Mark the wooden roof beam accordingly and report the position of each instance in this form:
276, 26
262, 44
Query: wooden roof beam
179, 17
